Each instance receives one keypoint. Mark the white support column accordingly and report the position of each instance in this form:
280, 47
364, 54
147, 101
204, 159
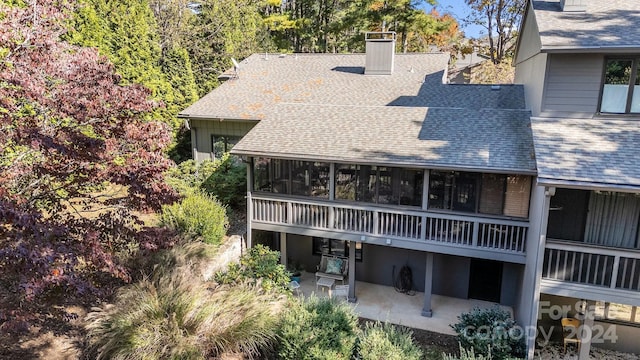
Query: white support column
586, 330
425, 191
352, 273
248, 239
332, 181
249, 202
194, 143
283, 249
428, 284
530, 297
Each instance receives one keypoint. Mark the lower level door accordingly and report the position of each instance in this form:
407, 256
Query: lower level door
485, 280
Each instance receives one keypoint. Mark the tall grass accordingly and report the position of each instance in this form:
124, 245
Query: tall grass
175, 315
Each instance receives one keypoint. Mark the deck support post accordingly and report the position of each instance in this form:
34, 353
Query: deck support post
283, 249
428, 284
586, 331
352, 273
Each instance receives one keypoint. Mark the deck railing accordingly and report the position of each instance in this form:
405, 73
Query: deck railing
412, 225
592, 265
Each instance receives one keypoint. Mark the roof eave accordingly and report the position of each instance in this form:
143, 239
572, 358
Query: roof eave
365, 161
215, 118
565, 49
587, 185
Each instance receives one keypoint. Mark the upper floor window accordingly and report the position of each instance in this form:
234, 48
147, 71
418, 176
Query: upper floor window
221, 144
379, 184
595, 217
291, 177
621, 91
494, 194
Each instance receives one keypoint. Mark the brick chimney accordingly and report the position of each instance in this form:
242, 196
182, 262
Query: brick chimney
574, 5
380, 51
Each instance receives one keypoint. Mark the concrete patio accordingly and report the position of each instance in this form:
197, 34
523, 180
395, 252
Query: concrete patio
384, 303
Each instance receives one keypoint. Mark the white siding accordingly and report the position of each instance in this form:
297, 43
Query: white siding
573, 83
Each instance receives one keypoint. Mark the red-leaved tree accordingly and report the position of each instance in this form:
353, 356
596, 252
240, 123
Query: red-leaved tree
69, 133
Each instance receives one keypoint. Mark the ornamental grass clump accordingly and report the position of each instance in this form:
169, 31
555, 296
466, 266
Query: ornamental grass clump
175, 315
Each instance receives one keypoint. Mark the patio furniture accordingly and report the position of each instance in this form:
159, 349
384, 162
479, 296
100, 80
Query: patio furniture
295, 287
341, 291
570, 328
332, 267
325, 283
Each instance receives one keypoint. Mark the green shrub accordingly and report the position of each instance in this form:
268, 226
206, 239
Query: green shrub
178, 316
490, 331
228, 182
387, 341
198, 216
260, 264
317, 329
188, 176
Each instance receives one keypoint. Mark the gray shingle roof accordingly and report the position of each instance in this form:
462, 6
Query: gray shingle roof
454, 138
338, 80
313, 79
600, 151
605, 24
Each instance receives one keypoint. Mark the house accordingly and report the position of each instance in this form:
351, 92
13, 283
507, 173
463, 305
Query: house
375, 159
578, 62
465, 64
526, 195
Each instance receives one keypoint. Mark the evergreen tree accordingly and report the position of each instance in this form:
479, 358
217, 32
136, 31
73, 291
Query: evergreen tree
126, 33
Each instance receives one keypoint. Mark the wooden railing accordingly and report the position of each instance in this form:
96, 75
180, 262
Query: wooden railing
592, 265
411, 225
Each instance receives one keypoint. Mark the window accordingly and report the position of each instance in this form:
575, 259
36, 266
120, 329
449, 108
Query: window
493, 194
324, 246
310, 179
453, 190
620, 90
379, 184
291, 177
617, 312
221, 144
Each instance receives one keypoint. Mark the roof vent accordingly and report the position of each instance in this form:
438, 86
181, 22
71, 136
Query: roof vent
380, 48
573, 5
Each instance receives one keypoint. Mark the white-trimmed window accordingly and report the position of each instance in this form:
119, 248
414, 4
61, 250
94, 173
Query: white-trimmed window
621, 86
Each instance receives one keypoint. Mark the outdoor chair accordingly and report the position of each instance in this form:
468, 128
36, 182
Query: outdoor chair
333, 267
570, 327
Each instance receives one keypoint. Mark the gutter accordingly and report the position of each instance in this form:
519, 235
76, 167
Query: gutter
386, 162
566, 49
587, 185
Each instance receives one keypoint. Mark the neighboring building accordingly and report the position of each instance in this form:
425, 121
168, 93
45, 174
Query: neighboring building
526, 195
464, 66
578, 61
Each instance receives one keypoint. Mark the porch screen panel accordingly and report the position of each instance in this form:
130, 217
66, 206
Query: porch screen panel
612, 219
492, 194
516, 202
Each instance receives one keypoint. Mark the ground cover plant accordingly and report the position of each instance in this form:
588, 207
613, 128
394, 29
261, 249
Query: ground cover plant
490, 332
